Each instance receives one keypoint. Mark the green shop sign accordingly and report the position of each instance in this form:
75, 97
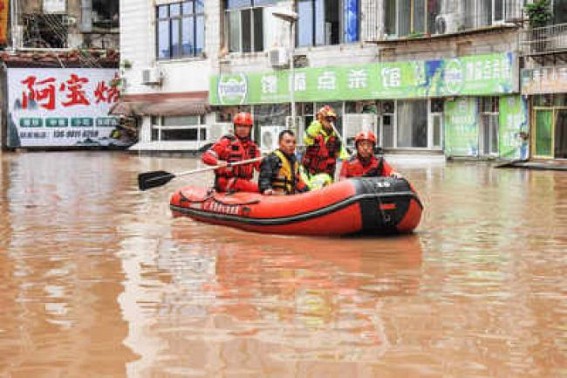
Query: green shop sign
513, 127
477, 75
461, 127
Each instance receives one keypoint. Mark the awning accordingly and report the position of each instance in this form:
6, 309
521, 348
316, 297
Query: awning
160, 108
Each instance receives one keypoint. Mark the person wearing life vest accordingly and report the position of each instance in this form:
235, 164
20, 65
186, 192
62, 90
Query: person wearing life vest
364, 163
279, 171
323, 145
233, 148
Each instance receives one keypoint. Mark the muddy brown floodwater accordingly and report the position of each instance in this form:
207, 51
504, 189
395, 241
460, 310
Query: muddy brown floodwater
99, 280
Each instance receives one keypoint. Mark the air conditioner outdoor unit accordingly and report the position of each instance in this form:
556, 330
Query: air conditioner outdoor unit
279, 57
448, 23
151, 76
217, 130
269, 137
68, 20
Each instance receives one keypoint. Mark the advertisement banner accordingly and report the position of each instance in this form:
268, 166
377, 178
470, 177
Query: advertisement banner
4, 10
461, 127
477, 75
543, 80
56, 107
513, 127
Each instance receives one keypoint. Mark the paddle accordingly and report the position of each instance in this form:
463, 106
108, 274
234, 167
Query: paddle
340, 138
154, 179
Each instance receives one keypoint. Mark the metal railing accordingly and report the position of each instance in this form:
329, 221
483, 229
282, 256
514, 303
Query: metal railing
545, 40
451, 17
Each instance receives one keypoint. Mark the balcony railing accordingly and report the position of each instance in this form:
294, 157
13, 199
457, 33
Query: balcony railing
545, 40
452, 17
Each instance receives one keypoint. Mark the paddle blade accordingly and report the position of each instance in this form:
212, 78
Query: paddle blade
154, 179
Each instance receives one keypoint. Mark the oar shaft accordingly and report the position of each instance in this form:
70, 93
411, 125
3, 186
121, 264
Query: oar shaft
213, 167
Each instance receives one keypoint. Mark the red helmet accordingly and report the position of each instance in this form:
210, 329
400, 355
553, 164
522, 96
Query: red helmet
243, 118
365, 135
327, 111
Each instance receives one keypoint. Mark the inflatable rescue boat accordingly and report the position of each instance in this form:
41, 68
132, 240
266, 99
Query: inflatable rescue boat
366, 205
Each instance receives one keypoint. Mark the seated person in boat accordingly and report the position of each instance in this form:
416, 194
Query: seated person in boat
365, 163
231, 149
323, 148
279, 172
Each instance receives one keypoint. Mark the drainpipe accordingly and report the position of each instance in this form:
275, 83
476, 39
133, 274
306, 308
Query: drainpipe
13, 22
86, 16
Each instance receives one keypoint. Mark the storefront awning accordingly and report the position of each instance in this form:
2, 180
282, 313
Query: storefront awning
160, 108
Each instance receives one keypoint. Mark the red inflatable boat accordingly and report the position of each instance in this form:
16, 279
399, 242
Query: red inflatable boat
369, 205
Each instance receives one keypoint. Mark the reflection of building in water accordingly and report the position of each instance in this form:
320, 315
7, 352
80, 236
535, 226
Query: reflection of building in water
217, 303
60, 277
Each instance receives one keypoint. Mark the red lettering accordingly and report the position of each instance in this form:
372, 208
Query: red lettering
76, 94
105, 93
45, 94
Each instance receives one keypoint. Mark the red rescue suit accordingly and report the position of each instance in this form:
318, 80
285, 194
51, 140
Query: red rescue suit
232, 149
356, 167
321, 157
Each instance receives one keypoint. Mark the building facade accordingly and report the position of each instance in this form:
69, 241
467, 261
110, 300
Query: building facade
426, 76
544, 84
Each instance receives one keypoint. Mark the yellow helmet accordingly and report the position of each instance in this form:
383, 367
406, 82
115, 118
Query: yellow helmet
326, 112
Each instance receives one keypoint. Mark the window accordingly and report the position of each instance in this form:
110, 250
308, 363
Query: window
245, 24
328, 22
403, 18
559, 11
412, 124
479, 13
180, 29
180, 128
413, 17
105, 13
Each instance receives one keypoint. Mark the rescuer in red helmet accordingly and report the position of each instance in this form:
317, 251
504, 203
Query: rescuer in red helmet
230, 149
364, 163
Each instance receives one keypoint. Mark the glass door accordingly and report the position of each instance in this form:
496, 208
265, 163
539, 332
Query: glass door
543, 141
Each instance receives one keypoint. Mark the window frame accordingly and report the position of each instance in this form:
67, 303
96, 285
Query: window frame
197, 33
256, 8
157, 127
315, 29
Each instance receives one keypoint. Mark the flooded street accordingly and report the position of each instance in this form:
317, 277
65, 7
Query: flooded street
99, 280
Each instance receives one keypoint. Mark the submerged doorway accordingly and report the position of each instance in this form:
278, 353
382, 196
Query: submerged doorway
550, 133
560, 134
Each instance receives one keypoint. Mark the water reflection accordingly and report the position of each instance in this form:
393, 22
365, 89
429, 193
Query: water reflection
99, 280
248, 301
60, 278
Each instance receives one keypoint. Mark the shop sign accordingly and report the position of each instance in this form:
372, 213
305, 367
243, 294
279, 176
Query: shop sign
513, 127
489, 74
543, 80
49, 107
461, 127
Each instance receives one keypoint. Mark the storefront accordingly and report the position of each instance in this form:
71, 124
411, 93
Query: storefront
547, 90
461, 106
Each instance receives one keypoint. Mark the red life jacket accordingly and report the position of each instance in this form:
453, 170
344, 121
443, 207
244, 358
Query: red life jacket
321, 157
236, 150
356, 168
